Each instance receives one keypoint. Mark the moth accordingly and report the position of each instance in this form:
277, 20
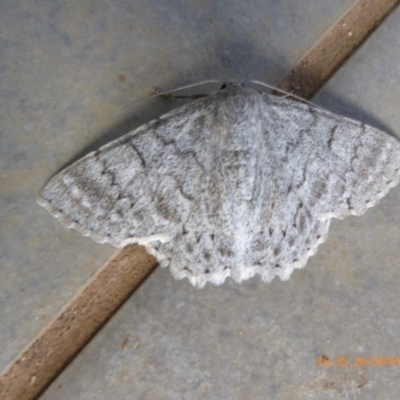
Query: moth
232, 185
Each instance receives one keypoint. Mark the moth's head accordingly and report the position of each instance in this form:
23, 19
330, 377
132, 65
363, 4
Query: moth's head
231, 85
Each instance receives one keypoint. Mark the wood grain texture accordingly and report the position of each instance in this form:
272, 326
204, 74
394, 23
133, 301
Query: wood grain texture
57, 345
335, 47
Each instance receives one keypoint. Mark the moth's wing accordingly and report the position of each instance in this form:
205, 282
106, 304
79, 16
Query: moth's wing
320, 165
342, 166
139, 188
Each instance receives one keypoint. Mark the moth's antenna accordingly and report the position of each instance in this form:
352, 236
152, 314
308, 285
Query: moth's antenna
286, 93
166, 92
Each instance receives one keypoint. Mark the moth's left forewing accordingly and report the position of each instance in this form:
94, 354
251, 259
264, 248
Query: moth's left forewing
139, 188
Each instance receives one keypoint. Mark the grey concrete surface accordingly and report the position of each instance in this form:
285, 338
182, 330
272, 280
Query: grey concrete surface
263, 341
66, 69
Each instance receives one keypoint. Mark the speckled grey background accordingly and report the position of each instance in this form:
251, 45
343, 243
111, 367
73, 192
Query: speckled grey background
260, 341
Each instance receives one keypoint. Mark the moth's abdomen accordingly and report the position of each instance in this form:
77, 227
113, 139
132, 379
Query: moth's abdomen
239, 170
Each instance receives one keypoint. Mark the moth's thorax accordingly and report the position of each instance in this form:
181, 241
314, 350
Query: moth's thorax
238, 153
236, 111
